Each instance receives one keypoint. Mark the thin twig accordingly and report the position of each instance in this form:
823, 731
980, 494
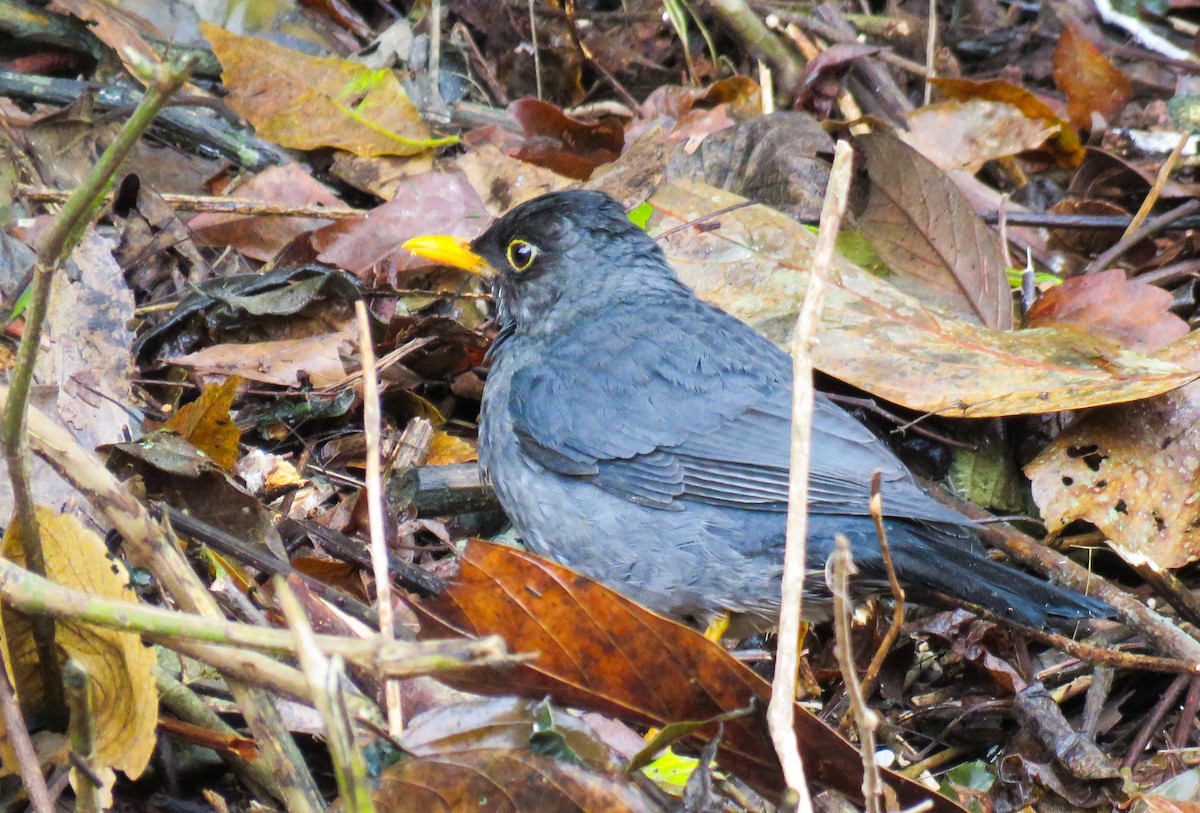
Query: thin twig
885, 646
537, 54
374, 479
1160, 180
18, 737
204, 203
780, 712
1148, 229
82, 733
866, 719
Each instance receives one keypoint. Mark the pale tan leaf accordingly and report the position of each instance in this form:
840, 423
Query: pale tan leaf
118, 663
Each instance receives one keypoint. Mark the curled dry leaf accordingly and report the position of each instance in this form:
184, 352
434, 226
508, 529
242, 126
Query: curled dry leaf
1065, 144
1130, 470
753, 262
207, 424
261, 237
967, 134
119, 665
1126, 311
317, 358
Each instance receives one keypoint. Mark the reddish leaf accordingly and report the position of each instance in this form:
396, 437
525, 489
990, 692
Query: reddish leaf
1091, 82
566, 145
424, 204
1129, 312
597, 650
824, 77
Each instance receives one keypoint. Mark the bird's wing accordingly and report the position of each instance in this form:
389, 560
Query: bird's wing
697, 407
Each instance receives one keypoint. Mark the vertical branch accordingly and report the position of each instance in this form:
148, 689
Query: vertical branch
59, 242
885, 646
18, 737
374, 480
864, 717
780, 713
82, 733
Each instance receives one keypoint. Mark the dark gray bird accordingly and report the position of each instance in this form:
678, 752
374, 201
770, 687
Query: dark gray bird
641, 436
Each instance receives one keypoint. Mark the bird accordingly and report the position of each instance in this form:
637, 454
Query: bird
641, 436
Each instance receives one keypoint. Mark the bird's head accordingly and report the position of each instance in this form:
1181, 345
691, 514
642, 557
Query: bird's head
555, 255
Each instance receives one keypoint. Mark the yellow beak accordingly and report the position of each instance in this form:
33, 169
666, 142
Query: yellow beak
451, 251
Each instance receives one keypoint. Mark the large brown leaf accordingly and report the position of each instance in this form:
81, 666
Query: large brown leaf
753, 262
597, 650
929, 235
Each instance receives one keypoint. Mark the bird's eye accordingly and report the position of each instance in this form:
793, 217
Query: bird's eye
521, 254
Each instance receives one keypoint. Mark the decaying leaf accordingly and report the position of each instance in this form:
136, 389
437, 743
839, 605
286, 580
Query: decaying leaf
598, 650
119, 665
317, 358
1065, 143
447, 449
510, 780
754, 264
305, 102
261, 237
1130, 470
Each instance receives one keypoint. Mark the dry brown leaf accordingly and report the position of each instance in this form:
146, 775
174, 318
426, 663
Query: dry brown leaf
118, 28
597, 650
510, 780
261, 237
754, 264
1091, 82
927, 232
120, 666
502, 181
317, 358
304, 102
1065, 144
967, 134
1126, 311
207, 424
1130, 470
424, 204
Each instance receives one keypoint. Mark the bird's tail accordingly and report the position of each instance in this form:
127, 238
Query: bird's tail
967, 576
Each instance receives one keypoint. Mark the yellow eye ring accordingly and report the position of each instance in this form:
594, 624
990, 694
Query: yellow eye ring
521, 254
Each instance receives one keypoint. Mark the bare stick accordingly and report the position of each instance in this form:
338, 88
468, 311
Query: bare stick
18, 737
379, 551
1160, 180
864, 717
82, 732
780, 712
897, 591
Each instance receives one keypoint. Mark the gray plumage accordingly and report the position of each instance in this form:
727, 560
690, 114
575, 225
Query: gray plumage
641, 436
